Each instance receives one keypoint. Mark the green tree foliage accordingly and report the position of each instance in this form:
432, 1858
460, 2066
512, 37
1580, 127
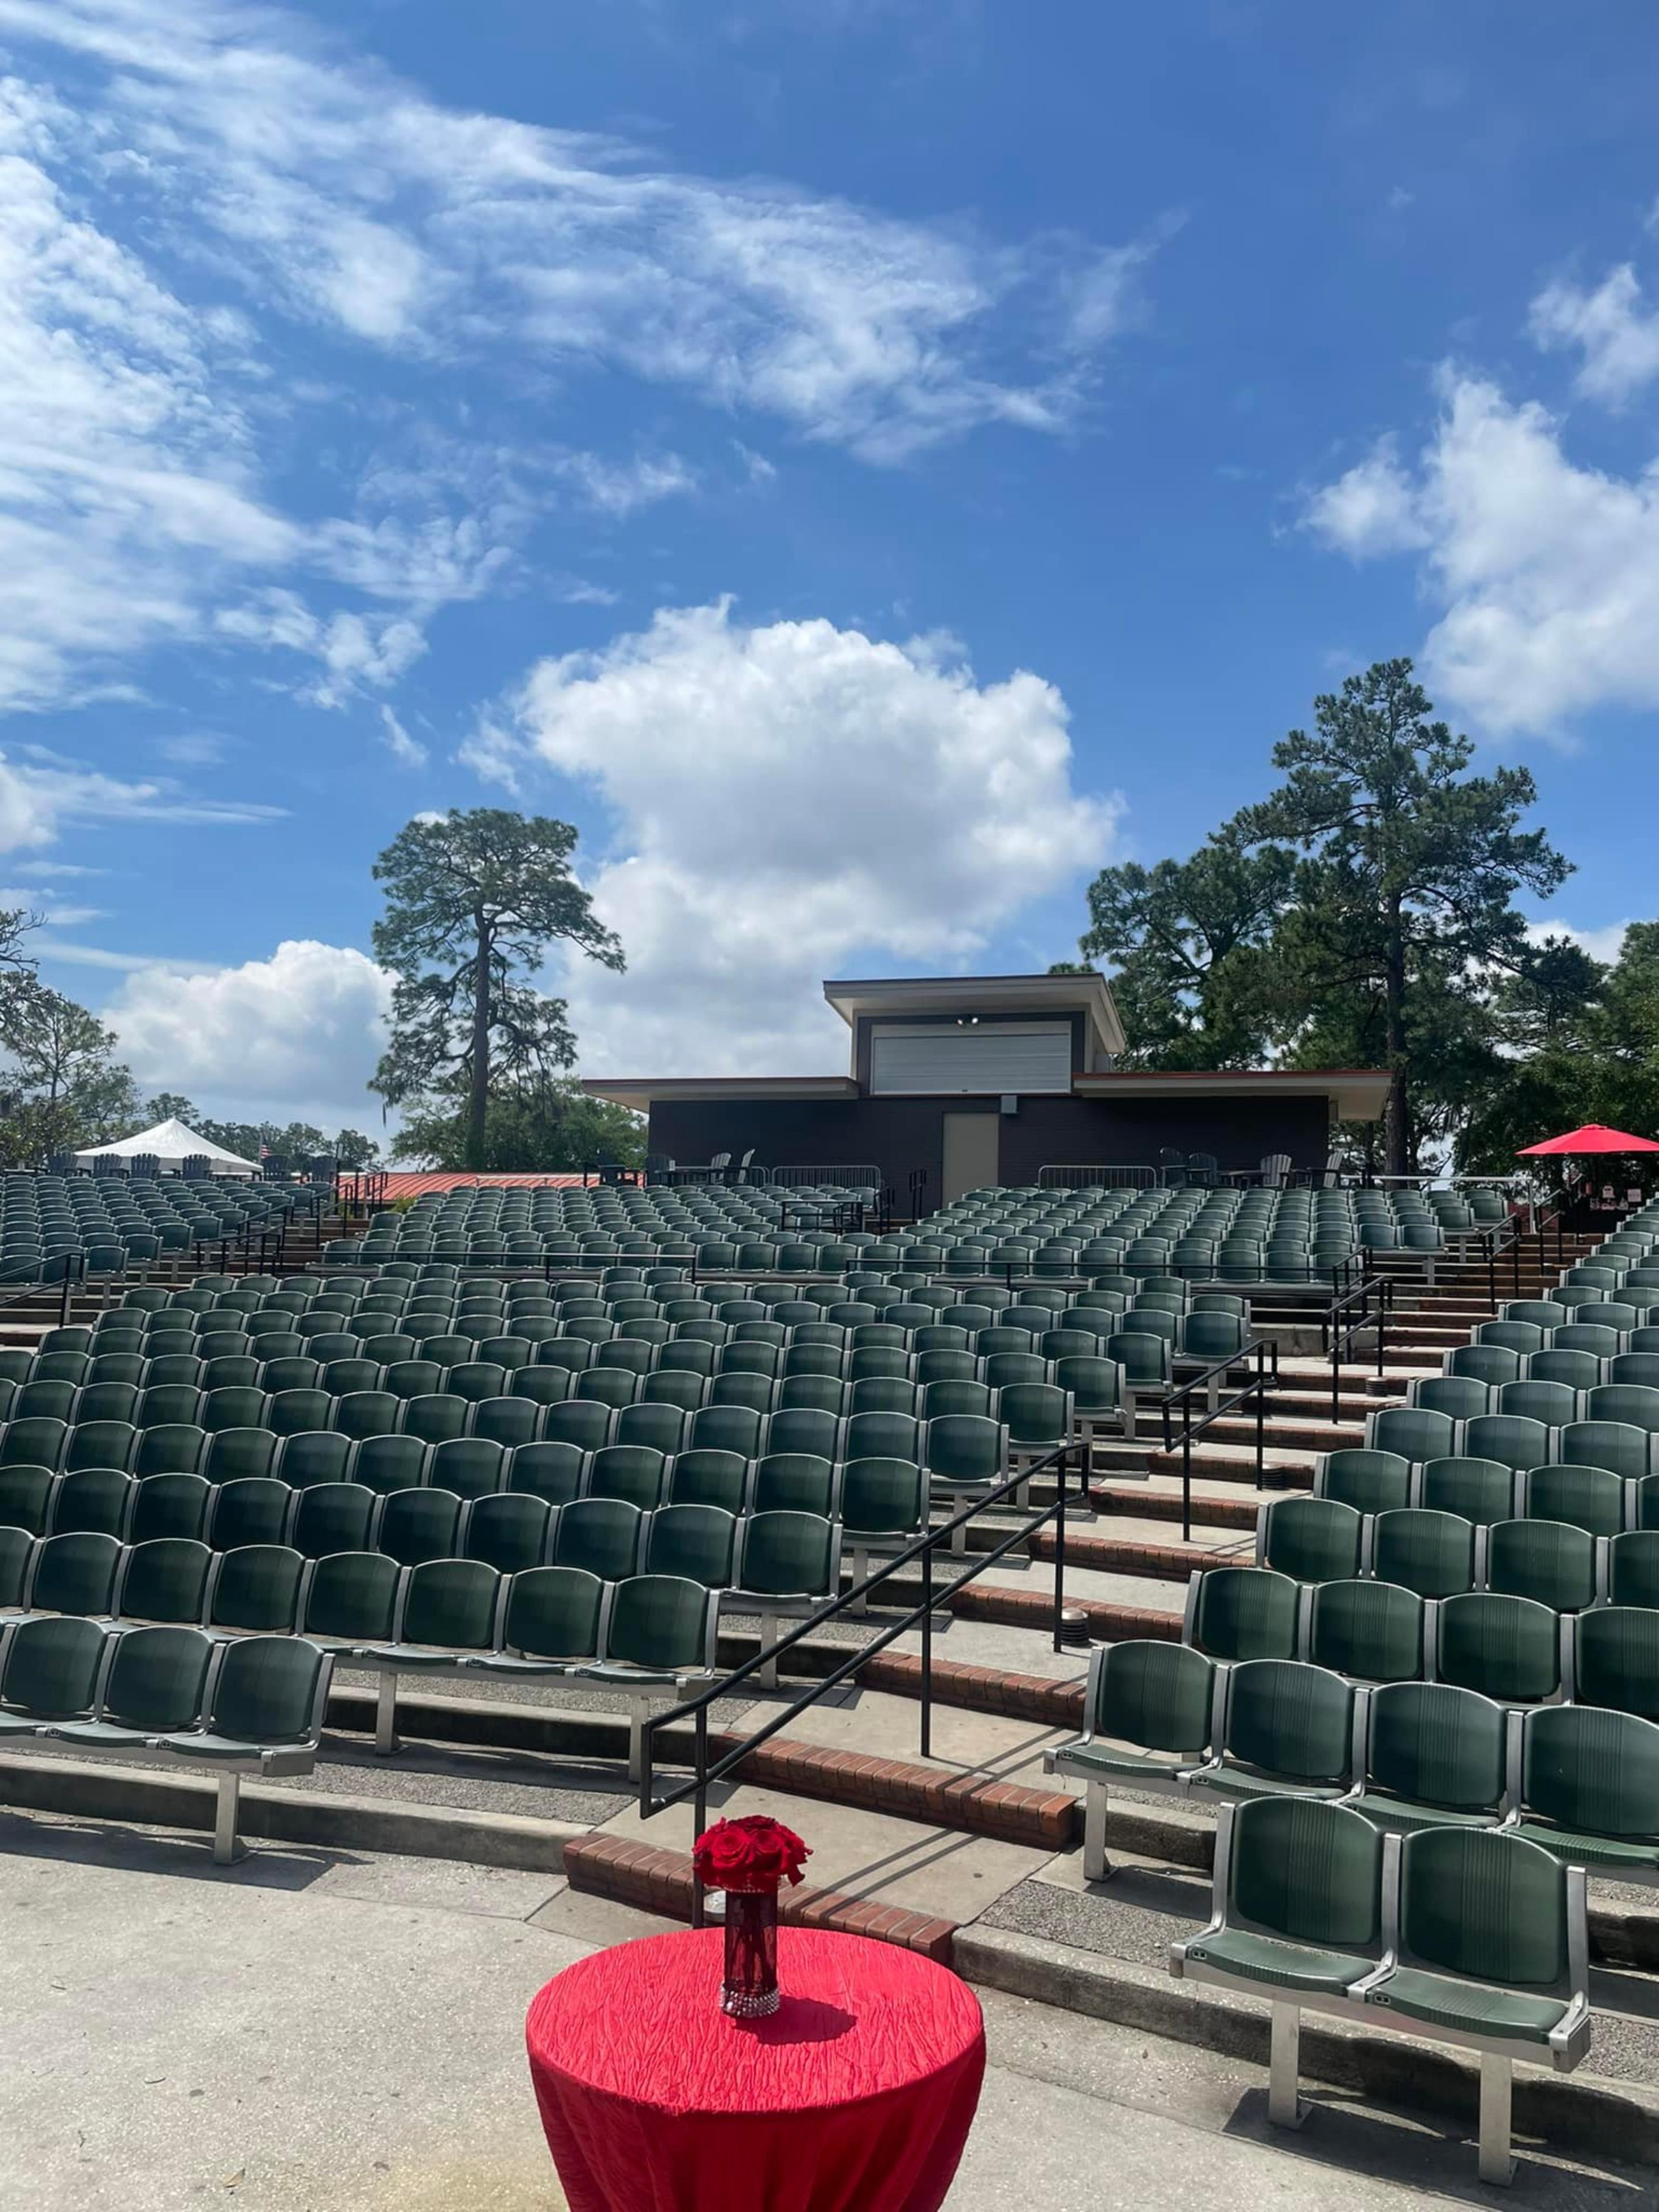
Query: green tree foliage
530, 1126
1362, 914
64, 1087
473, 902
1188, 940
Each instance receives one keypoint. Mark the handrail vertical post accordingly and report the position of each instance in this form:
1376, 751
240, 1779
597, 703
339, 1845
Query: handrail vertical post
927, 1652
700, 1810
1186, 1474
1492, 1268
1260, 1429
1060, 1551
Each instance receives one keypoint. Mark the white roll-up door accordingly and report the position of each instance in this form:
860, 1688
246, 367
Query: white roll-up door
934, 1058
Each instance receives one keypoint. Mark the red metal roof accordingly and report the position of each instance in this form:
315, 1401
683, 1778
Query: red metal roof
400, 1183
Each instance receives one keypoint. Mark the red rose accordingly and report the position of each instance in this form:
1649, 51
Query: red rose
753, 1853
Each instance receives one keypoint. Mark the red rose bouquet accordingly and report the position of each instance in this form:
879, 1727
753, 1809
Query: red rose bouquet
755, 1853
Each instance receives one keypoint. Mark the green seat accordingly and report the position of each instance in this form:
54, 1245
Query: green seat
1287, 1727
387, 1464
1589, 1789
1460, 1396
339, 1379
753, 1393
1371, 1632
885, 1394
697, 1542
266, 1697
633, 1472
1036, 1418
605, 1536
1477, 1490
292, 1413
34, 1444
255, 1589
449, 1606
253, 1510
584, 1422
236, 1455
797, 1483
332, 1516
101, 1443
552, 1620
709, 1477
168, 1506
469, 1467
476, 1379
1549, 1560
658, 1427
381, 1414
1297, 1903
1615, 1659
1242, 1613
729, 1428
1589, 1497
1619, 1446
1490, 1363
508, 1531
1490, 1947
416, 1378
549, 1470
1506, 1646
1434, 1755
1148, 1712
172, 1448
313, 1456
1413, 1432
352, 1597
25, 1495
155, 1684
49, 1671
538, 1386
94, 1498
51, 1401
164, 1580
234, 1409
1634, 1567
1369, 1481
169, 1405
75, 1573
416, 1526
1313, 1539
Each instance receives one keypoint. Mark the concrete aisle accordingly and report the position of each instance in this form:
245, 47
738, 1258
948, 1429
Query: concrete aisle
316, 2032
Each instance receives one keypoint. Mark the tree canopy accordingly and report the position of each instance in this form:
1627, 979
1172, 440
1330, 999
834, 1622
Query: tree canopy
1363, 914
474, 901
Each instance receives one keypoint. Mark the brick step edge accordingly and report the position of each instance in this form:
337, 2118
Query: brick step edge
1139, 1504
1275, 1477
1129, 1555
660, 1881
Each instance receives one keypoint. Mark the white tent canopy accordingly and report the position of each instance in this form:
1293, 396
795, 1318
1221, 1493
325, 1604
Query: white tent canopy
170, 1142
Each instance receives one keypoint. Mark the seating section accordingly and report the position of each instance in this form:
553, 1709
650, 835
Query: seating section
172, 1693
1201, 1229
53, 1225
1475, 1938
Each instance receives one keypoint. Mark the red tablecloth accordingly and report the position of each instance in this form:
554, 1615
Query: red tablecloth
856, 2096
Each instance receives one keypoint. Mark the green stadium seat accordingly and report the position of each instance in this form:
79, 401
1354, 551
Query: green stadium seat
550, 1470
1614, 1656
552, 1621
796, 1482
449, 1606
470, 1467
1313, 1539
697, 1542
255, 1591
1371, 1632
251, 1509
50, 1670
1286, 1728
101, 1443
155, 1684
1434, 1756
1507, 1648
603, 1535
75, 1573
334, 1516
94, 1498
168, 1506
1549, 1560
508, 1531
1588, 1790
1369, 1481
1149, 1714
634, 1473
1481, 1491
171, 1447
1242, 1613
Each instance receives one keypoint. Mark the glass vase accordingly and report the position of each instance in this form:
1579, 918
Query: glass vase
749, 1990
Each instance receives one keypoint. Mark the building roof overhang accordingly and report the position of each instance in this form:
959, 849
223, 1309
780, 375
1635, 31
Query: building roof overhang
894, 997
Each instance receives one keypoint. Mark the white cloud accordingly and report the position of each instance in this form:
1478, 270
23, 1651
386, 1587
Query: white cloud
403, 749
297, 1034
619, 488
1604, 944
1618, 336
792, 800
344, 196
195, 749
1546, 572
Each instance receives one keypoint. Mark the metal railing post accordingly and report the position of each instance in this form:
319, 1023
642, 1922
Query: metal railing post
1187, 1474
1261, 1428
927, 1652
1060, 1551
700, 1809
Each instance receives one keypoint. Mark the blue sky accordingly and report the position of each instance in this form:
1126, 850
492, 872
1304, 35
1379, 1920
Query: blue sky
866, 463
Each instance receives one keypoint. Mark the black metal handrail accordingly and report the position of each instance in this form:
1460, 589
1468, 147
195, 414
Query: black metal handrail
1349, 1315
1495, 1241
1180, 1396
923, 1548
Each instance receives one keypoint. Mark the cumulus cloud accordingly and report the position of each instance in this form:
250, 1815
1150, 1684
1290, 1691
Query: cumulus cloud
1605, 943
1617, 336
792, 801
295, 1035
1546, 572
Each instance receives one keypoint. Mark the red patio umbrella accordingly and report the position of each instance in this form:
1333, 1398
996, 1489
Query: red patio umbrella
1594, 1136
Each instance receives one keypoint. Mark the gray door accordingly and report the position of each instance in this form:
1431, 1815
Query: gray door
971, 1145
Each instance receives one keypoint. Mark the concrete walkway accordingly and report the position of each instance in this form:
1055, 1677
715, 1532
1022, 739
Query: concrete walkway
313, 2031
